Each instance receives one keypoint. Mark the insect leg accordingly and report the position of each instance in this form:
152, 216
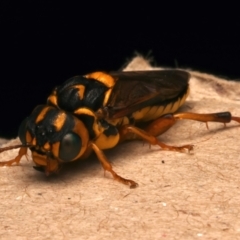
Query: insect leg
162, 124
22, 151
108, 167
223, 117
156, 128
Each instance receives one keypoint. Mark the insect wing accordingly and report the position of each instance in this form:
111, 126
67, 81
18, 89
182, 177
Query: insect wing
136, 90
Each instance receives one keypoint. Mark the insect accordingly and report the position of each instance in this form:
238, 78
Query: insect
98, 111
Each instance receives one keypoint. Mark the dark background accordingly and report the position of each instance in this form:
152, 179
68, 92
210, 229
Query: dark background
43, 43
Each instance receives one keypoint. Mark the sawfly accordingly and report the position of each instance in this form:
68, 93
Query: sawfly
97, 111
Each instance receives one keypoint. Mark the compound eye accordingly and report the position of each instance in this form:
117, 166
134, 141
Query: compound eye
70, 147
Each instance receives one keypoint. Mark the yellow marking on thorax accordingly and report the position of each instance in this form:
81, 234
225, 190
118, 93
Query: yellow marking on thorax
102, 77
107, 96
59, 121
106, 80
86, 111
81, 90
42, 114
106, 142
52, 98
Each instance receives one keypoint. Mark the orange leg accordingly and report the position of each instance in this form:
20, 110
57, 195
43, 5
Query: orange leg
22, 151
154, 129
162, 124
108, 167
223, 117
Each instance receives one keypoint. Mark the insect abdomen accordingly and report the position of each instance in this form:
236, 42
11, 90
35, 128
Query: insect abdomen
156, 111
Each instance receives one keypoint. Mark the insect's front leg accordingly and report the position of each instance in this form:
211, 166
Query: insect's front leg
22, 151
108, 167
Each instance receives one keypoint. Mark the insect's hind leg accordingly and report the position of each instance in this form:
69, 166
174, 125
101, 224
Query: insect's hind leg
149, 133
162, 124
222, 117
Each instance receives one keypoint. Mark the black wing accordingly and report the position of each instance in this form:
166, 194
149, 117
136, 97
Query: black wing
136, 90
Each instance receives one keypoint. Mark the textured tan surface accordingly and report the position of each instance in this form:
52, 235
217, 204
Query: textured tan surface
180, 195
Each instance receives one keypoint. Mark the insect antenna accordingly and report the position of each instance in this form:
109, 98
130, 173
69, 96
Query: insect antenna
14, 147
